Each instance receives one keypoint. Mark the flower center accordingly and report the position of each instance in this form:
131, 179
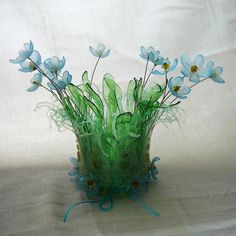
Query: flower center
194, 69
90, 182
32, 66
165, 66
135, 183
53, 69
176, 88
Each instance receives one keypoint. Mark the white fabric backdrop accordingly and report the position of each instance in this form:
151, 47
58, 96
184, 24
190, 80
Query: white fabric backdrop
196, 192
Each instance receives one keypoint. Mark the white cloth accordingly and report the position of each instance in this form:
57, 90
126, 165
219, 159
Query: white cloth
196, 191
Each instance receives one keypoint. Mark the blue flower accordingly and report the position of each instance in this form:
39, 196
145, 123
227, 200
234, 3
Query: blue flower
62, 83
146, 53
139, 184
166, 66
36, 82
74, 172
100, 51
54, 64
194, 69
24, 53
88, 184
28, 66
153, 169
156, 58
46, 72
215, 72
177, 89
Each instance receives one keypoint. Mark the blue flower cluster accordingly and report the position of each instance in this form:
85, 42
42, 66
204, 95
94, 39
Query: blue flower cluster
89, 183
30, 60
191, 69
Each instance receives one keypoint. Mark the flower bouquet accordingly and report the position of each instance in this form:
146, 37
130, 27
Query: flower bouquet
113, 127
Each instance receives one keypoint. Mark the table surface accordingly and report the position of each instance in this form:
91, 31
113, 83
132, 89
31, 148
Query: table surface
195, 192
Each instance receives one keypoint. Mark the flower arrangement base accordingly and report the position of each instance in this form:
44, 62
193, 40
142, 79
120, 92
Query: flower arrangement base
118, 169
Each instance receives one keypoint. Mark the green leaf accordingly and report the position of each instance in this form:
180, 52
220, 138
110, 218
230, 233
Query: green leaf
85, 78
94, 108
138, 89
90, 93
169, 105
153, 93
148, 106
95, 98
68, 108
122, 124
112, 94
130, 96
77, 96
123, 118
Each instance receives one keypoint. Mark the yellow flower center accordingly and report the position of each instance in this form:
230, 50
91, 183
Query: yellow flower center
165, 66
32, 66
194, 69
176, 88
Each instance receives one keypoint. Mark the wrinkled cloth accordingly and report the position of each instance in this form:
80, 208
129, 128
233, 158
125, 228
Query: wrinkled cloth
196, 191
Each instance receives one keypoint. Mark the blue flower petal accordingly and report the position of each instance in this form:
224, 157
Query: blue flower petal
54, 61
105, 54
33, 88
194, 78
37, 78
170, 83
155, 159
74, 161
36, 57
100, 48
73, 172
60, 84
198, 60
61, 63
29, 46
93, 51
178, 81
218, 70
186, 71
16, 61
157, 72
218, 79
210, 64
25, 70
173, 65
185, 90
51, 86
185, 60
67, 77
204, 72
27, 66
143, 52
150, 50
